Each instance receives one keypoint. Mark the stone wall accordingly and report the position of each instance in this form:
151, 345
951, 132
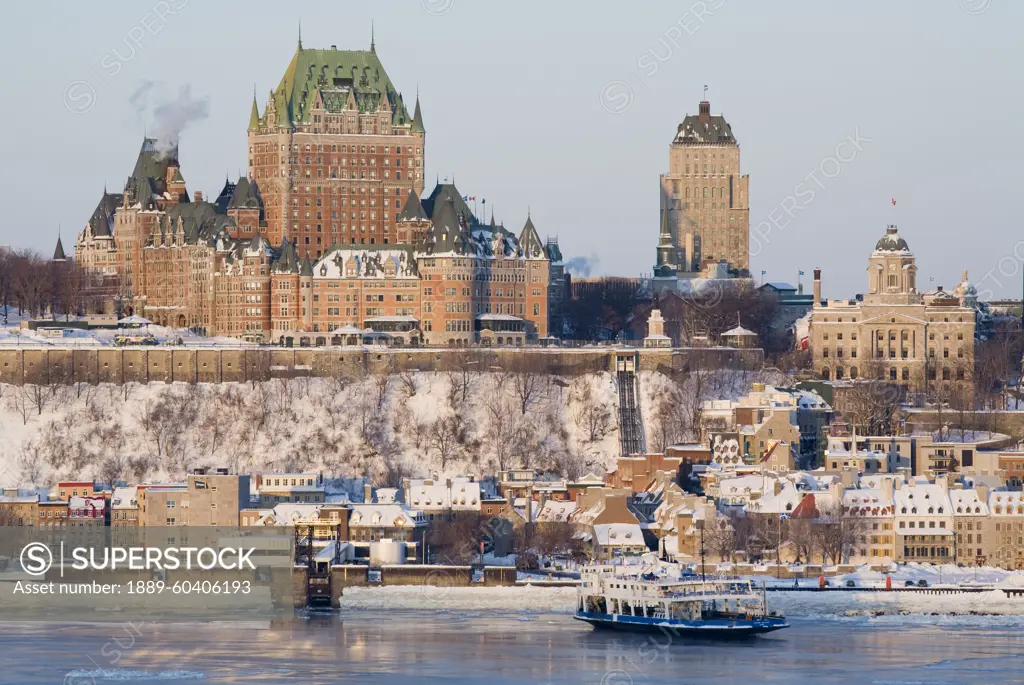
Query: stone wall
65, 365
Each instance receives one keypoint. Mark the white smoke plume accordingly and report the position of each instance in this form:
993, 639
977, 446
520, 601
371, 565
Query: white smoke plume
169, 116
582, 266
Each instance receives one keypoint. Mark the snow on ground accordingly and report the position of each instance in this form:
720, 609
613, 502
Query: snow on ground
892, 607
147, 433
15, 335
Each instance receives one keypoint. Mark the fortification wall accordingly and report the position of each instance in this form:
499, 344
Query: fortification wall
54, 365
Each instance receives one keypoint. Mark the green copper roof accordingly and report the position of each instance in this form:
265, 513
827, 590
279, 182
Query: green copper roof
417, 118
254, 116
334, 73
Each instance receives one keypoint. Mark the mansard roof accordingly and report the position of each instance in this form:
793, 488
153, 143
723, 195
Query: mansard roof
367, 261
448, 191
704, 127
149, 177
200, 221
337, 78
101, 223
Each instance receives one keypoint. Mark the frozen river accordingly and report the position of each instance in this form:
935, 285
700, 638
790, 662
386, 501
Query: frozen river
377, 646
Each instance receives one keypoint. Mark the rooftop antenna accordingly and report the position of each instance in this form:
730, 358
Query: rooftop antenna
373, 47
300, 33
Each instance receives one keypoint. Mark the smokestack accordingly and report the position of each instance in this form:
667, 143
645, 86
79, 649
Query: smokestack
817, 287
367, 493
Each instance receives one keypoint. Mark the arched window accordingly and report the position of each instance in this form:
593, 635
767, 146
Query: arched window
824, 373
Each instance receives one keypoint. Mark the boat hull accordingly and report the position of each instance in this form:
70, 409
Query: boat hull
714, 628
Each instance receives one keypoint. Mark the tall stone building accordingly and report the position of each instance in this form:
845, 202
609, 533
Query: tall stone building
335, 151
922, 341
705, 211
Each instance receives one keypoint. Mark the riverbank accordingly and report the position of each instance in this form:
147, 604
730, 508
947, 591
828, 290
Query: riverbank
906, 606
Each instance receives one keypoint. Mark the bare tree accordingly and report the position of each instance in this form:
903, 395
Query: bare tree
445, 439
837, 530
463, 370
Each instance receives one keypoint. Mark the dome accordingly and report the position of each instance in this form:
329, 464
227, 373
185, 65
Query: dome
891, 242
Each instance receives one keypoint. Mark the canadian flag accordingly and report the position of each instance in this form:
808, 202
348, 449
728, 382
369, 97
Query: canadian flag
894, 202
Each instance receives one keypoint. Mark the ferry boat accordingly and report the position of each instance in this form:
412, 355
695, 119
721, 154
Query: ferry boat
612, 597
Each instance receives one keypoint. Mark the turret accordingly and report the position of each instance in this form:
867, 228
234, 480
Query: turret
817, 287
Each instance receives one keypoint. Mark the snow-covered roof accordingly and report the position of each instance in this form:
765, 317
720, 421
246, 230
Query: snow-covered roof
967, 503
125, 498
497, 317
784, 502
287, 513
90, 505
619, 534
384, 515
921, 499
1002, 503
867, 502
556, 512
739, 331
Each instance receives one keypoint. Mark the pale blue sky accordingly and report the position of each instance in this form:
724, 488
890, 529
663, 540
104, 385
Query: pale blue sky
512, 101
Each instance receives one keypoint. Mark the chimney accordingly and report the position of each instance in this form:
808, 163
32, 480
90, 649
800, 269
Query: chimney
982, 491
943, 482
529, 505
197, 196
406, 487
704, 109
367, 493
817, 288
887, 487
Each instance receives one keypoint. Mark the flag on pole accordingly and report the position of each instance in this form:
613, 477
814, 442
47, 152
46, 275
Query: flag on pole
802, 273
894, 202
783, 517
763, 272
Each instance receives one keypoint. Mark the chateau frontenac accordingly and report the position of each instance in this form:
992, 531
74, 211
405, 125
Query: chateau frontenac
328, 239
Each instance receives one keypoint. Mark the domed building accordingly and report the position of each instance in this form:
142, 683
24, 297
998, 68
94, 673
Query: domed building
894, 332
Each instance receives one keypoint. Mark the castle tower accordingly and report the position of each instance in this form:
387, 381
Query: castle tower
335, 151
706, 193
